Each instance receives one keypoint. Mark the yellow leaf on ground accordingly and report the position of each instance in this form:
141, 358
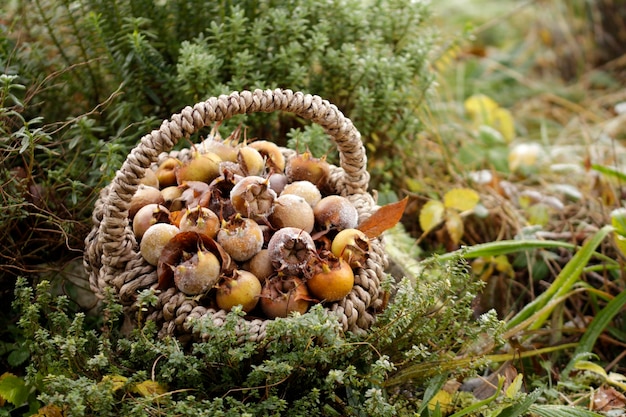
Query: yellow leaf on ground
504, 123
414, 186
149, 388
480, 108
444, 399
116, 381
503, 265
538, 214
454, 225
515, 386
461, 199
592, 367
431, 215
49, 411
612, 378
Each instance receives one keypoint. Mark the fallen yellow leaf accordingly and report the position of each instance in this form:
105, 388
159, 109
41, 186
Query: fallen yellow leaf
461, 199
504, 123
480, 108
431, 215
444, 399
454, 225
149, 388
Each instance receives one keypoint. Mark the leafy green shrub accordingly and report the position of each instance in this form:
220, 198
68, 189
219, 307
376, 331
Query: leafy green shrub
94, 77
305, 366
150, 58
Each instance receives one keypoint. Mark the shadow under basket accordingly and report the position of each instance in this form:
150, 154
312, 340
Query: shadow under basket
112, 256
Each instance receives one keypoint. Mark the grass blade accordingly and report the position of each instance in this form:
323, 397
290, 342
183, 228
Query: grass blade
521, 407
433, 388
596, 328
609, 172
505, 247
561, 411
562, 283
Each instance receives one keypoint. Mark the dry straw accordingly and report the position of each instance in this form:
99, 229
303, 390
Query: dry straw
112, 256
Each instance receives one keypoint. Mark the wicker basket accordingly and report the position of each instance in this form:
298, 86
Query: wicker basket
112, 256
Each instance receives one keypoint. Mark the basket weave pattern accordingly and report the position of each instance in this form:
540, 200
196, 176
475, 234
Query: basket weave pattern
112, 256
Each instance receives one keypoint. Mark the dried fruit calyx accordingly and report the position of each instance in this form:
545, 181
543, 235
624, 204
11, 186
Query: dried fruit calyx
351, 245
200, 219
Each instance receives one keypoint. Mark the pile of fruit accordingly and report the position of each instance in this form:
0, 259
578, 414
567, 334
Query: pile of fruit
241, 224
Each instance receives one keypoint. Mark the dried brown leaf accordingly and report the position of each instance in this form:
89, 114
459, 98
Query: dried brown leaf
383, 219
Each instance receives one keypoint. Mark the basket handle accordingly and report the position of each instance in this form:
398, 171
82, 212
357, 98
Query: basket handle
352, 156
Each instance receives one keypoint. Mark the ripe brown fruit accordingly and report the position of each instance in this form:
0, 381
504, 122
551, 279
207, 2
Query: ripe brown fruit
331, 279
305, 167
243, 288
172, 197
155, 239
202, 167
291, 210
200, 219
225, 151
250, 161
306, 190
278, 181
198, 274
241, 238
147, 216
150, 179
143, 196
291, 249
351, 245
282, 296
274, 158
166, 172
260, 265
335, 212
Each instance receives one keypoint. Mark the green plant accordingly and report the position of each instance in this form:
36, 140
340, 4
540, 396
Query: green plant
45, 180
305, 365
140, 61
90, 78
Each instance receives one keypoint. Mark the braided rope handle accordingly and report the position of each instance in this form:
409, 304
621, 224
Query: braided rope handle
114, 235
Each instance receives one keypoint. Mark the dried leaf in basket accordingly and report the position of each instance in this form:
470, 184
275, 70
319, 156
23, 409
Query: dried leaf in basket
383, 219
187, 242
